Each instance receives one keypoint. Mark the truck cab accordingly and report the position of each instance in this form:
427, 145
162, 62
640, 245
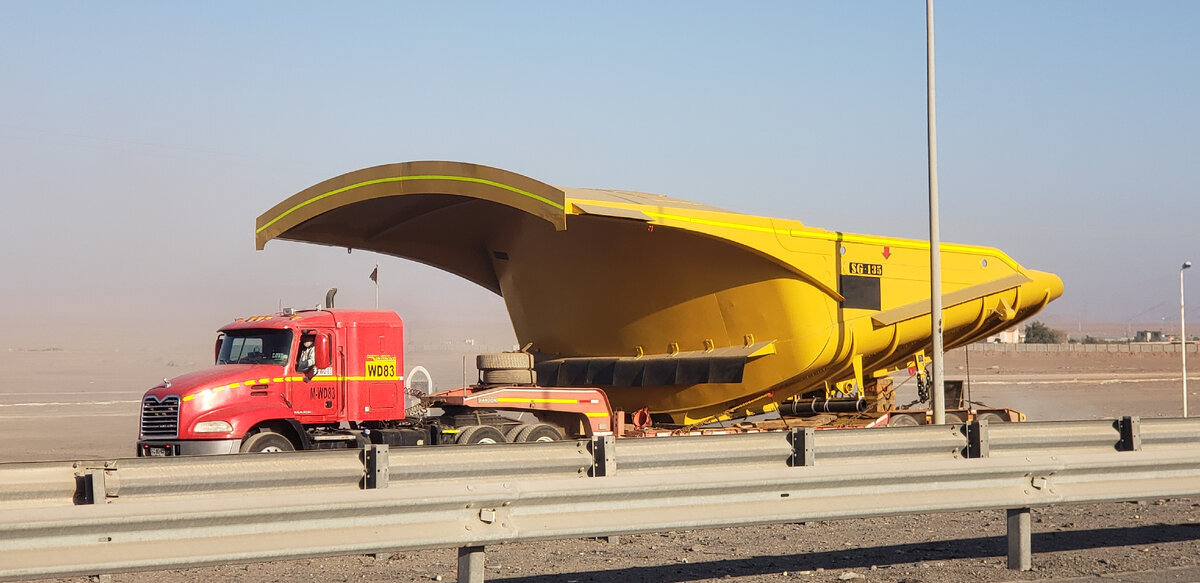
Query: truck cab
311, 379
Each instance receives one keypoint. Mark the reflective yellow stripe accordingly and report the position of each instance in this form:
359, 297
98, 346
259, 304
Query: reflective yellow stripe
909, 243
404, 178
515, 400
253, 382
596, 414
710, 223
840, 237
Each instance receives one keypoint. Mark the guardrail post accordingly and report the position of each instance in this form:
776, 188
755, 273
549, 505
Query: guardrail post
604, 463
470, 564
1131, 437
803, 449
375, 475
90, 489
1020, 539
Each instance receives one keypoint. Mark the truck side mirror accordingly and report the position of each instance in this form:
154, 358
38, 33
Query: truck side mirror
217, 349
321, 351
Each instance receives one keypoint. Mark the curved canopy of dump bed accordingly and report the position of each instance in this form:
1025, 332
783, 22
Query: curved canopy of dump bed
681, 307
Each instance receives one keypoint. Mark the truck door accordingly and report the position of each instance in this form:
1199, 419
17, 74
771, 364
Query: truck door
316, 394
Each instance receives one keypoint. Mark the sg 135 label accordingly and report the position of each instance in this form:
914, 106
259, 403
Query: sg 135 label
866, 269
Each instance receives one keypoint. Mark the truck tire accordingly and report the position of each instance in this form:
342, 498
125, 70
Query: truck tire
504, 361
479, 434
508, 377
266, 442
956, 417
539, 432
992, 417
511, 434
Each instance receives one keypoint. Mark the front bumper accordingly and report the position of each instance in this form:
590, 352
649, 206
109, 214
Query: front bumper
169, 447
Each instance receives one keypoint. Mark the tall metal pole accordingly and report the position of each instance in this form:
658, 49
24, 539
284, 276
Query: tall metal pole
1183, 334
935, 239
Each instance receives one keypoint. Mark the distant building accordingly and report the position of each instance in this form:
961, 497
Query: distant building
1149, 336
1014, 335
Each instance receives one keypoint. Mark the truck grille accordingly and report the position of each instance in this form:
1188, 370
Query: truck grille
160, 418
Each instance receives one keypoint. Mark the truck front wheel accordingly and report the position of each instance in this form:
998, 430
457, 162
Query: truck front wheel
266, 442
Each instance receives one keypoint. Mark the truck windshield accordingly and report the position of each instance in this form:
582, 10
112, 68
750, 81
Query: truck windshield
255, 347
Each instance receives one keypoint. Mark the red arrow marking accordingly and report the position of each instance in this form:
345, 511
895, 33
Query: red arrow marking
887, 252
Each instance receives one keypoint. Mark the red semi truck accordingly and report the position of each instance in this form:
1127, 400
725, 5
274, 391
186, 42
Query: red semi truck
333, 378
265, 394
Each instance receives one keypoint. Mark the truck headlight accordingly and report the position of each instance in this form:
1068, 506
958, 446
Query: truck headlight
213, 427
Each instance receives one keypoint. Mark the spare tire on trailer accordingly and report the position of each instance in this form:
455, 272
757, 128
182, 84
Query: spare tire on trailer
504, 361
508, 377
479, 434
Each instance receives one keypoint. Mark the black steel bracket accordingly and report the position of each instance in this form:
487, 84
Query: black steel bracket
89, 486
1131, 437
604, 458
977, 439
803, 446
375, 466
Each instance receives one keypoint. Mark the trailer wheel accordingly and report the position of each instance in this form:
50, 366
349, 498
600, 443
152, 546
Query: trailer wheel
903, 421
992, 417
522, 376
266, 442
510, 435
480, 434
539, 432
504, 361
955, 417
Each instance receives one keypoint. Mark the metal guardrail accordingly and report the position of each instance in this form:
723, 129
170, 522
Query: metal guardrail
1059, 437
37, 484
500, 462
725, 453
188, 512
904, 444
1126, 348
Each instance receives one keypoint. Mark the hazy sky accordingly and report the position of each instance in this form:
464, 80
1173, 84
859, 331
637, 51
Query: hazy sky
141, 139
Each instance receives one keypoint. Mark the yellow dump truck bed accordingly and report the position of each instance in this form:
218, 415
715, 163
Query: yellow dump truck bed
684, 309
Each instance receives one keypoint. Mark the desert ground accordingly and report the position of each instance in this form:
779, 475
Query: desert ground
82, 403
